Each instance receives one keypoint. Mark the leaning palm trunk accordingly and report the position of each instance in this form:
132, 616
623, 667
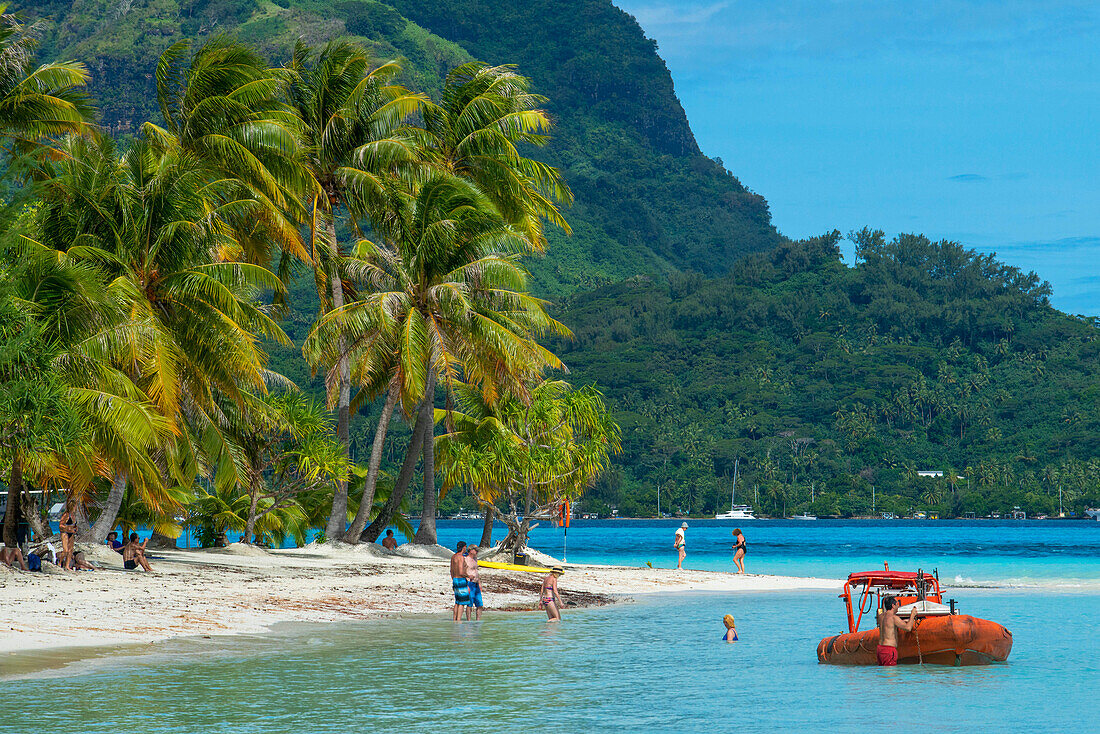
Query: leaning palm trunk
254, 489
105, 523
367, 502
425, 534
487, 529
337, 521
425, 424
33, 516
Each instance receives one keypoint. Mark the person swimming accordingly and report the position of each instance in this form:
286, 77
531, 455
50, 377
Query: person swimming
731, 629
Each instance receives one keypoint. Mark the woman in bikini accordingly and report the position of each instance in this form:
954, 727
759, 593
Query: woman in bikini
731, 628
67, 526
739, 551
550, 597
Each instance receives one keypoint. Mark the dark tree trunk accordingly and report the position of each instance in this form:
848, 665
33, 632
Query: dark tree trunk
425, 424
33, 517
337, 521
367, 502
425, 534
254, 492
487, 529
15, 493
105, 523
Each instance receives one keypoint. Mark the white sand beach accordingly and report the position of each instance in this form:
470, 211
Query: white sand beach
244, 589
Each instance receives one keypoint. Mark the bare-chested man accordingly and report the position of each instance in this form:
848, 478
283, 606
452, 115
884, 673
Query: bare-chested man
458, 580
133, 554
473, 577
389, 542
888, 625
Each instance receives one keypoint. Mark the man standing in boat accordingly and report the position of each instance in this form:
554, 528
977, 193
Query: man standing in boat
888, 625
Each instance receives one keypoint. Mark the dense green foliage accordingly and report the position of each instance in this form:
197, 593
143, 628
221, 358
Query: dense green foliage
818, 377
925, 356
647, 200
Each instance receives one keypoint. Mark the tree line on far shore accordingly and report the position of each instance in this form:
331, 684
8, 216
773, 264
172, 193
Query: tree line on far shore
831, 387
143, 282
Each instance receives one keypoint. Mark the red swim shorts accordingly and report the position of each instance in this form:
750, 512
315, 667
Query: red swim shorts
886, 655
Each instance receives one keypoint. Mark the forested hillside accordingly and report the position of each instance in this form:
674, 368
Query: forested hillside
925, 356
714, 338
647, 200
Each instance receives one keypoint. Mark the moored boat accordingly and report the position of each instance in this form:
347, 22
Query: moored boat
941, 635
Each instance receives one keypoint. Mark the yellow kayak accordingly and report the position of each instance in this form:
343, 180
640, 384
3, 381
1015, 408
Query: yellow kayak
512, 567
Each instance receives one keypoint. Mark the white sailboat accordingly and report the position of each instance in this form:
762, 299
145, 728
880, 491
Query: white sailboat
737, 512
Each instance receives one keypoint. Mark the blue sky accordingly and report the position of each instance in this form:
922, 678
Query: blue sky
972, 121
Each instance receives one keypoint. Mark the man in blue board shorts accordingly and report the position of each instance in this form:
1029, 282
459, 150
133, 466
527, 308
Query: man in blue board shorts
473, 578
458, 580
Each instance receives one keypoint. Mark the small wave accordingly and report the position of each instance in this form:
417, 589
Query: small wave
961, 582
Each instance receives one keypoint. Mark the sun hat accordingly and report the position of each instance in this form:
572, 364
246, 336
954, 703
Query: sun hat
684, 525
558, 570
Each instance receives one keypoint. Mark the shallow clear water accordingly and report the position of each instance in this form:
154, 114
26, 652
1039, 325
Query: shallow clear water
1053, 554
658, 665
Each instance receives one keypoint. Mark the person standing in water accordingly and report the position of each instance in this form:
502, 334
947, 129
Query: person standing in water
681, 546
458, 580
731, 629
888, 625
739, 550
473, 578
550, 597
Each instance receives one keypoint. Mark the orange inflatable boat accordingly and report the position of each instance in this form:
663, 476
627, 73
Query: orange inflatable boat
941, 635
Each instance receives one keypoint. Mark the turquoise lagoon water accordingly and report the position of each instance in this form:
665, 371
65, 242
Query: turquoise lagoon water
654, 665
1029, 553
657, 665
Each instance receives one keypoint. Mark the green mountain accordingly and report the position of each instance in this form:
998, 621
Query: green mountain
817, 377
648, 201
717, 342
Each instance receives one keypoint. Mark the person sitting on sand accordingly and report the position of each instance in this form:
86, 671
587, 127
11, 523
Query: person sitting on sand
458, 580
888, 625
739, 550
681, 546
549, 596
10, 555
473, 579
80, 563
731, 629
112, 542
389, 542
133, 554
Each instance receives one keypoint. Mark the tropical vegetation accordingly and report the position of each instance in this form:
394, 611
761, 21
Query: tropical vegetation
831, 388
143, 284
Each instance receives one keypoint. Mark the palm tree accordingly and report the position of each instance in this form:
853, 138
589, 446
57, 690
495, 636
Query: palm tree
541, 449
224, 106
151, 222
484, 115
447, 289
81, 321
287, 438
352, 121
36, 102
